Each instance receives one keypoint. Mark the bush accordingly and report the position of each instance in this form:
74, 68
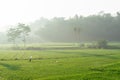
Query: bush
102, 44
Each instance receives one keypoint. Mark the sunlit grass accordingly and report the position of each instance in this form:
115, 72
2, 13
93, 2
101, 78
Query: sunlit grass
60, 65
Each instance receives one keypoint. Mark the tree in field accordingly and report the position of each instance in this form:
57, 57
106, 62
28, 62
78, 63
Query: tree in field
20, 31
24, 30
77, 33
76, 28
13, 34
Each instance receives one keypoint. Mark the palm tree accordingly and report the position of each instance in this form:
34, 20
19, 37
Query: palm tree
77, 34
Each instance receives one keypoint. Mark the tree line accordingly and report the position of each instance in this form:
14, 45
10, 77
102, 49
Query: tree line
102, 26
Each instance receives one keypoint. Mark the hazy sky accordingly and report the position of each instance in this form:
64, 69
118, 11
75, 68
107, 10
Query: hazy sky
14, 11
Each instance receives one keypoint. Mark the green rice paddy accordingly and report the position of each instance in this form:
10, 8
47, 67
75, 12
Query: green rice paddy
84, 64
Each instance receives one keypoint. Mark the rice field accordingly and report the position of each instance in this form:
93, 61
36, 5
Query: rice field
80, 64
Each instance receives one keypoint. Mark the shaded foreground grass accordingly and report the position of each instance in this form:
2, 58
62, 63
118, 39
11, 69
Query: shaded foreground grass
60, 65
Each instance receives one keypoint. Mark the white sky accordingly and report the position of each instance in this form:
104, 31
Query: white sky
14, 11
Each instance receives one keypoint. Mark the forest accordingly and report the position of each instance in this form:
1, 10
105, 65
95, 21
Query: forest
100, 26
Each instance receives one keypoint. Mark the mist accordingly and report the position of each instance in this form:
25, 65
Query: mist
101, 26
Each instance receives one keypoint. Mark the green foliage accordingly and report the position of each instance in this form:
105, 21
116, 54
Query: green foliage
61, 65
94, 27
24, 30
13, 34
102, 44
20, 31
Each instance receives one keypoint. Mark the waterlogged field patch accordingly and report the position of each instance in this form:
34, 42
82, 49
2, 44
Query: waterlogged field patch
60, 65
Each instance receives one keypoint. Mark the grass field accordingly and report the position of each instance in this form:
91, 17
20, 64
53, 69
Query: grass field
85, 64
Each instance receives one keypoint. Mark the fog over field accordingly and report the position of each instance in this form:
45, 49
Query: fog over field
59, 39
55, 20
